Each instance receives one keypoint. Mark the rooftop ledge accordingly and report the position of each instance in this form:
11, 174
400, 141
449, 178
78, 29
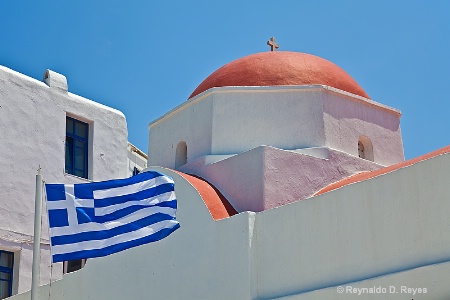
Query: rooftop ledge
272, 89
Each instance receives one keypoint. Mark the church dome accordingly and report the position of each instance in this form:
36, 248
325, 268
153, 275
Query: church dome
277, 68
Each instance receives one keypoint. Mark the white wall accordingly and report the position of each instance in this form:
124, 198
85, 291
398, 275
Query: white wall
231, 120
190, 122
429, 282
284, 118
33, 129
390, 230
388, 224
240, 178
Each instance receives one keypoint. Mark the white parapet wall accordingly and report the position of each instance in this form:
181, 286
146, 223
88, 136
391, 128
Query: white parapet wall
388, 224
391, 230
189, 264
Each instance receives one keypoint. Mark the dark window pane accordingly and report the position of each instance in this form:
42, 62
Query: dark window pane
4, 289
81, 129
79, 158
69, 125
135, 171
69, 154
6, 259
79, 173
6, 271
73, 265
79, 144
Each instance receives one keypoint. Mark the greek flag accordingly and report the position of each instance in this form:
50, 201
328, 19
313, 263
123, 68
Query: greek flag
99, 218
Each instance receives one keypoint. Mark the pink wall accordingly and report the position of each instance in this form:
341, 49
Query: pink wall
289, 176
347, 118
267, 177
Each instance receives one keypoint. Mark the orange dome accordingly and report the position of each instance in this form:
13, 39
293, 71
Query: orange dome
280, 68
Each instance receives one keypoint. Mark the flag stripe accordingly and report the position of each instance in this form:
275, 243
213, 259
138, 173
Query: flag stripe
129, 210
164, 197
145, 194
57, 231
115, 248
102, 185
105, 234
102, 211
99, 244
132, 188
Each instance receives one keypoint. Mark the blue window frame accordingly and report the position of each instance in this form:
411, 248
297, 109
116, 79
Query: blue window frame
77, 147
6, 273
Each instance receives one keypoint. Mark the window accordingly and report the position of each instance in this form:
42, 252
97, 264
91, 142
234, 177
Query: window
365, 148
181, 154
77, 147
361, 150
136, 171
73, 265
6, 273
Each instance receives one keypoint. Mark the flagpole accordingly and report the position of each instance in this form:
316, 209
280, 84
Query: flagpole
37, 238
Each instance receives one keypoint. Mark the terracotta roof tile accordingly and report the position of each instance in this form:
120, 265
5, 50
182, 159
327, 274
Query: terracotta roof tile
218, 205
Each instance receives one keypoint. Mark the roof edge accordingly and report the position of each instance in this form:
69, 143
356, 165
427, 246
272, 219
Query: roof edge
372, 174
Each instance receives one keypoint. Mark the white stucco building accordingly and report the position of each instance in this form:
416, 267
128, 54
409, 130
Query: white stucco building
281, 134
137, 159
291, 184
72, 140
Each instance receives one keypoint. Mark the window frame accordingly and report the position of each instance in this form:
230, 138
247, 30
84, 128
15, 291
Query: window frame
8, 270
85, 140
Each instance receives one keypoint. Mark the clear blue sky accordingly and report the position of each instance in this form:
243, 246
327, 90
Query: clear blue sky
146, 57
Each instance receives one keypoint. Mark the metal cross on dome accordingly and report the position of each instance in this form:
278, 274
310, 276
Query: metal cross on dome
273, 44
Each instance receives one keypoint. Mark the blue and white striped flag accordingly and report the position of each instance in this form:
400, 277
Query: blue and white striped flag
99, 218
